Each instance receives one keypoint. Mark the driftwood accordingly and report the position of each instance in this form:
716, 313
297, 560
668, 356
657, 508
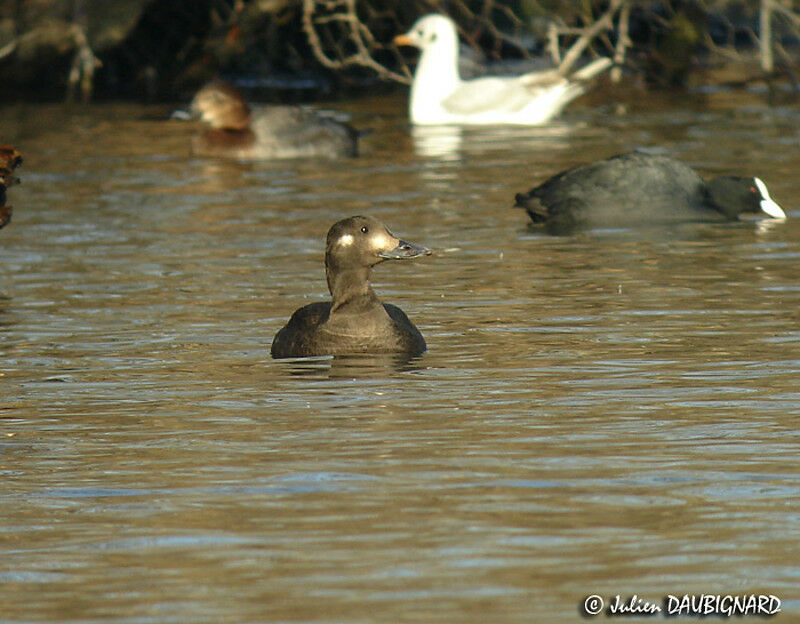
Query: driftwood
167, 46
70, 38
51, 44
9, 160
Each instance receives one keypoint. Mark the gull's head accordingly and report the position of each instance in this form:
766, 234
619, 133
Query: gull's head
430, 32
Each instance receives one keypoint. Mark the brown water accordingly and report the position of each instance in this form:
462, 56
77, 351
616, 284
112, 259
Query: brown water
609, 413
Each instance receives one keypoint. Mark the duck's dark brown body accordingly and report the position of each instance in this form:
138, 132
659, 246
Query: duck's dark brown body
371, 327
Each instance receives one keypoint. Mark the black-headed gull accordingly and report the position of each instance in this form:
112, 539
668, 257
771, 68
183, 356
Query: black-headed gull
440, 96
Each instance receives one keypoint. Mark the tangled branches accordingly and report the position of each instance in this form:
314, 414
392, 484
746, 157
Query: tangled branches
643, 35
167, 46
339, 38
344, 33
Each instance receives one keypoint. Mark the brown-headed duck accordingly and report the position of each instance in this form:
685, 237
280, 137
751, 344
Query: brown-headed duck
233, 130
355, 321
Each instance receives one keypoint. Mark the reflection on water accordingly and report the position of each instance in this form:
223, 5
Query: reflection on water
437, 141
614, 412
450, 142
352, 366
766, 225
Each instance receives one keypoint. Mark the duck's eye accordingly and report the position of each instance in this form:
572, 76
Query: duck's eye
433, 37
364, 229
420, 32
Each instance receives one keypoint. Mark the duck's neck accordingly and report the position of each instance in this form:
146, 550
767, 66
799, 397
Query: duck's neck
436, 76
348, 285
238, 119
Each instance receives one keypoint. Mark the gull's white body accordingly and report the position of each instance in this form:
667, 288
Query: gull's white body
440, 96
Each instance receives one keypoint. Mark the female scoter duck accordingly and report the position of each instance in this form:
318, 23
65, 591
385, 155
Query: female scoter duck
268, 133
636, 188
355, 321
440, 96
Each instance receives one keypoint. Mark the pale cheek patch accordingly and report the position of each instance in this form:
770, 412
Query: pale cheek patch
346, 240
382, 243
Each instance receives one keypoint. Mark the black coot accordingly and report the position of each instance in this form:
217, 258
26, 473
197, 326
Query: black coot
636, 188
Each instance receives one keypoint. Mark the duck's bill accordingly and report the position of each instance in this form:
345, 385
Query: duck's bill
404, 251
182, 114
767, 204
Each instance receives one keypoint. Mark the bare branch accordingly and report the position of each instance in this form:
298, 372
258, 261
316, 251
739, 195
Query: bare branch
605, 22
358, 35
83, 66
765, 40
623, 42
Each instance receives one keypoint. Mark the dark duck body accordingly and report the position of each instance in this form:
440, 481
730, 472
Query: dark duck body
9, 160
636, 188
355, 320
233, 130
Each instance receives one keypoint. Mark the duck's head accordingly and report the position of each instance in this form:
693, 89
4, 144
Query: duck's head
735, 195
363, 242
430, 31
221, 106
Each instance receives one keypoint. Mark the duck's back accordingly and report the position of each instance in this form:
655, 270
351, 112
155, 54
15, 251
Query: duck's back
625, 189
408, 338
300, 336
311, 331
296, 132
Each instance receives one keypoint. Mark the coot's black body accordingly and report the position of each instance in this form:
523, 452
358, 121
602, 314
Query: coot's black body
636, 188
355, 321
